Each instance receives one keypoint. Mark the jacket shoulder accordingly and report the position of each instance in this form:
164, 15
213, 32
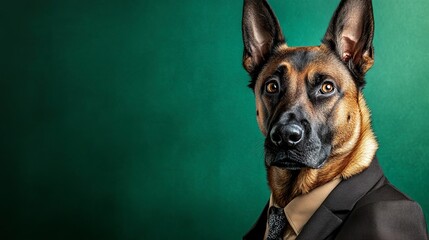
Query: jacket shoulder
387, 192
385, 213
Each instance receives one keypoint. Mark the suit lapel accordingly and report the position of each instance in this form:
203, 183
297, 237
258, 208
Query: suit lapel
321, 224
337, 206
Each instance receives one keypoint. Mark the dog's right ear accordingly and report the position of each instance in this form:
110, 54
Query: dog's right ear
261, 34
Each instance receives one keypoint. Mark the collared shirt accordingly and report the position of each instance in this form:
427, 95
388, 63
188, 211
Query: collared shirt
300, 209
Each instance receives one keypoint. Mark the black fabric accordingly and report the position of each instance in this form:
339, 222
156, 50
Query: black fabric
365, 206
276, 223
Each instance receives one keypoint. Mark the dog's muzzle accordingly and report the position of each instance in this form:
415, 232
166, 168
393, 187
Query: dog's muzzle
286, 138
293, 143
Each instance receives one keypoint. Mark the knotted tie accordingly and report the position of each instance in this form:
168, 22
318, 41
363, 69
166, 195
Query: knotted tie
276, 223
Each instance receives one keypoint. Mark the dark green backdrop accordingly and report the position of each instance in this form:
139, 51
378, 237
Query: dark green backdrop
131, 119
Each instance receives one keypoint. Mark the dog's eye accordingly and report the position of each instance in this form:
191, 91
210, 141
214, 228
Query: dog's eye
272, 87
327, 87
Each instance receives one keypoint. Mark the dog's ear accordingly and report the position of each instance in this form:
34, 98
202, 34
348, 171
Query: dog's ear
350, 35
261, 33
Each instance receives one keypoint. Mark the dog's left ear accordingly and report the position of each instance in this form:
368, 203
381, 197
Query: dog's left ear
350, 35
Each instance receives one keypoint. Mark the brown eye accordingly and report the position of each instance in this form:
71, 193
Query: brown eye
272, 87
327, 87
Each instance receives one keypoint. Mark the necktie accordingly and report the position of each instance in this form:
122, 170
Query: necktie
276, 223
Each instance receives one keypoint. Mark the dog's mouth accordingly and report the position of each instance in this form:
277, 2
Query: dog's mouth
284, 160
296, 160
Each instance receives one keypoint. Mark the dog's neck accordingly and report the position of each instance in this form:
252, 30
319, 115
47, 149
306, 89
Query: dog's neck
287, 184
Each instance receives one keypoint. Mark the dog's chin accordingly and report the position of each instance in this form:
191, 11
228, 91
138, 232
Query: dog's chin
292, 162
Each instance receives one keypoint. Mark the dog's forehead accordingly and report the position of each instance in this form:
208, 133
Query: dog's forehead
299, 58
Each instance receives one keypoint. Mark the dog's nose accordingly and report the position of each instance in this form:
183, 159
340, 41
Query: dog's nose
290, 134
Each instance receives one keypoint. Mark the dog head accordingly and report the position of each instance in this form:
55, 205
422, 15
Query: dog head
307, 98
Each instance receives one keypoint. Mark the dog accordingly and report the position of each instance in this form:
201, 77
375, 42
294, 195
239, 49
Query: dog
320, 149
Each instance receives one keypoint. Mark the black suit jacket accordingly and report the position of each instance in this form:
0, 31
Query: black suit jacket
365, 207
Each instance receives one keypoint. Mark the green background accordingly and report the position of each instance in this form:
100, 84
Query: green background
132, 120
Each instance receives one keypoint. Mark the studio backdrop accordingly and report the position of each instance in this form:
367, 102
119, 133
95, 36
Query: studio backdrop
131, 119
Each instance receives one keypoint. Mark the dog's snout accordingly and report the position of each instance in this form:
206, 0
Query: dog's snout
286, 135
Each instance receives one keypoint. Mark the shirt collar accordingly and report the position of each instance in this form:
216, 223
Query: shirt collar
300, 209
